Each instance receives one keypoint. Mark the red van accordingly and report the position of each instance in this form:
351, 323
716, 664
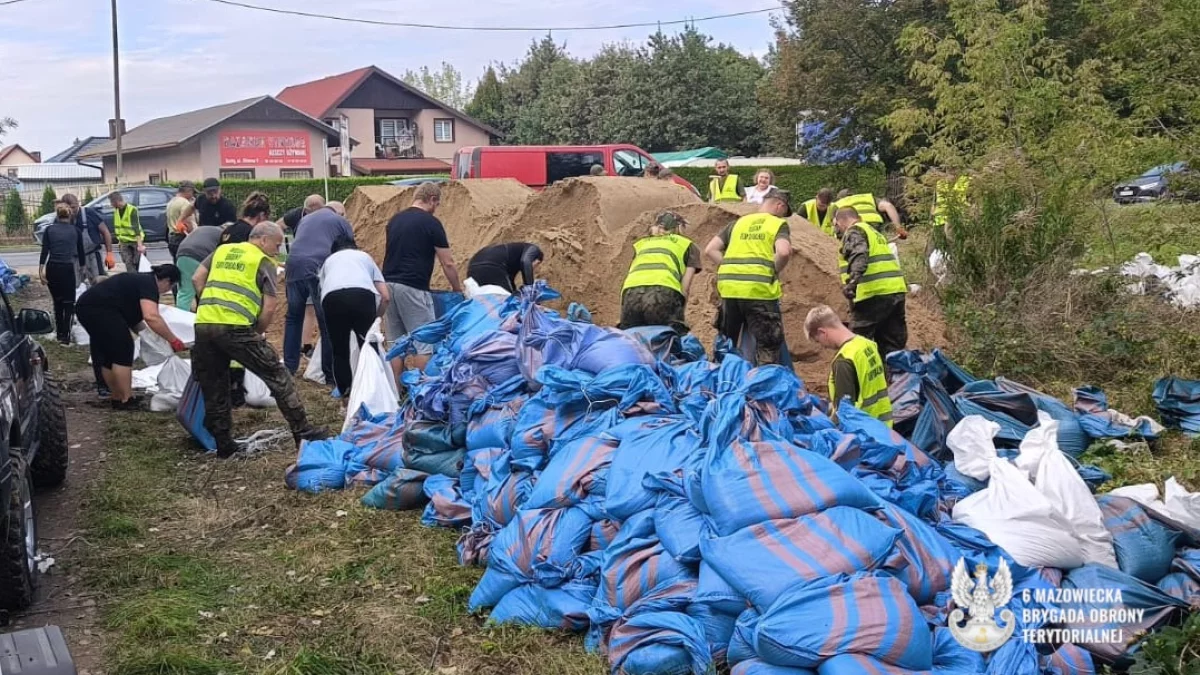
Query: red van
540, 165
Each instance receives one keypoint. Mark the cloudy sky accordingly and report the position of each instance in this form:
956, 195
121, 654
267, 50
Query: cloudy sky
179, 55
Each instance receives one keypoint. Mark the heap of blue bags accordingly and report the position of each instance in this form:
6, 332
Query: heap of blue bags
10, 280
683, 513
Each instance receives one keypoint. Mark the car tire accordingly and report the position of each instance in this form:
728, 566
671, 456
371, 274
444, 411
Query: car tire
18, 565
49, 467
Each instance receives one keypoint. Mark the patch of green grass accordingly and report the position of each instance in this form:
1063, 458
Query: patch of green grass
1175, 454
154, 659
309, 661
1118, 233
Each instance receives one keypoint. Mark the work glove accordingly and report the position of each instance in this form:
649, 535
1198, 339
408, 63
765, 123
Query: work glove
109, 260
850, 292
901, 232
177, 345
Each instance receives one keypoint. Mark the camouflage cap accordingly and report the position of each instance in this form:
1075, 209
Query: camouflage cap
669, 220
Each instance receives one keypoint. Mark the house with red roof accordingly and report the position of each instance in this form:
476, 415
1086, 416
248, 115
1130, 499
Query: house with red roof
398, 128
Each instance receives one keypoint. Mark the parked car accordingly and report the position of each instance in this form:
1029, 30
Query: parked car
1152, 185
408, 182
150, 200
540, 165
34, 447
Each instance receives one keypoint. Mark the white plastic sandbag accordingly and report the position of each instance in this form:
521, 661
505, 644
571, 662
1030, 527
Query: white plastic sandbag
313, 371
472, 289
372, 386
973, 447
78, 335
144, 264
257, 393
172, 378
1019, 519
1182, 505
146, 379
374, 336
154, 348
1038, 443
1144, 493
1057, 479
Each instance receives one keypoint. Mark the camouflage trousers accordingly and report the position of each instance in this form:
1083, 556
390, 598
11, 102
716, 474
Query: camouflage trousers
653, 306
216, 347
762, 319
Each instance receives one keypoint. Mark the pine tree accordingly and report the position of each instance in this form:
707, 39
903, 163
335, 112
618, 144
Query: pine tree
49, 196
14, 213
88, 196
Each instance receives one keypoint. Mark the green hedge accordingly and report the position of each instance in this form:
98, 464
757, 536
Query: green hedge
288, 193
801, 180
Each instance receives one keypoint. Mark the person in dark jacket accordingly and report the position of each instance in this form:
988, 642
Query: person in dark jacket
62, 255
500, 264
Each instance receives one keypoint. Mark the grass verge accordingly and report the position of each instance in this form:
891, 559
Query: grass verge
215, 567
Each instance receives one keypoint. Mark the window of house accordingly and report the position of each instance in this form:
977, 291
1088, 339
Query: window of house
560, 165
295, 173
443, 131
238, 174
155, 179
394, 136
12, 173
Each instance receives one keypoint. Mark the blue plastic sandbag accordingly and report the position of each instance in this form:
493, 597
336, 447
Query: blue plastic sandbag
320, 466
1178, 403
657, 643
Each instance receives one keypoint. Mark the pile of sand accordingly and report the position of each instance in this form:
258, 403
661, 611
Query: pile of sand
587, 226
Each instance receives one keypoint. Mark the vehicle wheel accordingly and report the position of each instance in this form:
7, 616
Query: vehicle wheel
49, 467
18, 566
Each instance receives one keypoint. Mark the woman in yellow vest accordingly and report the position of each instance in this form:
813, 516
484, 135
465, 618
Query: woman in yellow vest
857, 372
725, 187
656, 288
236, 287
127, 227
750, 254
872, 281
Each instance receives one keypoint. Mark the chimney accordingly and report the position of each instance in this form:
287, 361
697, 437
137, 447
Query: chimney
37, 156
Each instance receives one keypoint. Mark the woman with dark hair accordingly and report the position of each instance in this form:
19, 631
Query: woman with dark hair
110, 312
499, 265
353, 295
255, 210
62, 255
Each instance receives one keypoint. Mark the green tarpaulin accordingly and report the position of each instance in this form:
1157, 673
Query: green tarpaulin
685, 155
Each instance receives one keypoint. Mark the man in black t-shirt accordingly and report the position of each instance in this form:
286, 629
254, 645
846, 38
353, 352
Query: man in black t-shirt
499, 265
415, 237
212, 208
290, 222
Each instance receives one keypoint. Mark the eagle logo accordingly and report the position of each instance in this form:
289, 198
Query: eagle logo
981, 600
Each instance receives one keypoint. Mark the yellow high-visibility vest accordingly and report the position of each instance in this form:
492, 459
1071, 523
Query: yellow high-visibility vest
872, 385
231, 296
726, 192
946, 193
748, 269
865, 205
883, 275
658, 261
123, 224
814, 216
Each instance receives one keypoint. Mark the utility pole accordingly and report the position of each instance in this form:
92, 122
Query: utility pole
117, 126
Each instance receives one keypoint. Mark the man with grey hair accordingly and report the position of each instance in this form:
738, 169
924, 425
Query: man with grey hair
312, 245
415, 238
236, 287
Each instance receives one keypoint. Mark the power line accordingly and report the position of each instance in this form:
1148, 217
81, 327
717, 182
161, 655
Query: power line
432, 26
11, 2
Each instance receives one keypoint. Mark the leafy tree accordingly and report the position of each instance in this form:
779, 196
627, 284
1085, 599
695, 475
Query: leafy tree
7, 123
486, 104
14, 213
88, 196
445, 84
49, 196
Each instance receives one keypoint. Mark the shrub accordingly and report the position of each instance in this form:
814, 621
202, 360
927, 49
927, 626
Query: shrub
801, 180
88, 196
288, 193
15, 218
49, 196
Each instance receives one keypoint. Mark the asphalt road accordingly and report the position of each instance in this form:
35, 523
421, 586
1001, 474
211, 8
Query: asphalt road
27, 259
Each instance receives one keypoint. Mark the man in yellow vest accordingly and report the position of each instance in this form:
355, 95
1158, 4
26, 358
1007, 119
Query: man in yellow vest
236, 287
818, 212
857, 372
872, 282
127, 226
725, 187
750, 255
871, 209
656, 288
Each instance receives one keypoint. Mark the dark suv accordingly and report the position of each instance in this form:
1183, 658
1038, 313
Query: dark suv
33, 446
150, 200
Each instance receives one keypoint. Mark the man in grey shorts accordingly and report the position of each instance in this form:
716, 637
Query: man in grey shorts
415, 237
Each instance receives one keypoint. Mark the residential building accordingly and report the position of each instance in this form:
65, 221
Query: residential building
256, 138
62, 176
13, 155
400, 129
79, 147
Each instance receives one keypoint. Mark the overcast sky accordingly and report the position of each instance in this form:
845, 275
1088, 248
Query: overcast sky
180, 55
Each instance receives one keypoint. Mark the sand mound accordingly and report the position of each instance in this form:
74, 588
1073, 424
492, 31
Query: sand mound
471, 210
